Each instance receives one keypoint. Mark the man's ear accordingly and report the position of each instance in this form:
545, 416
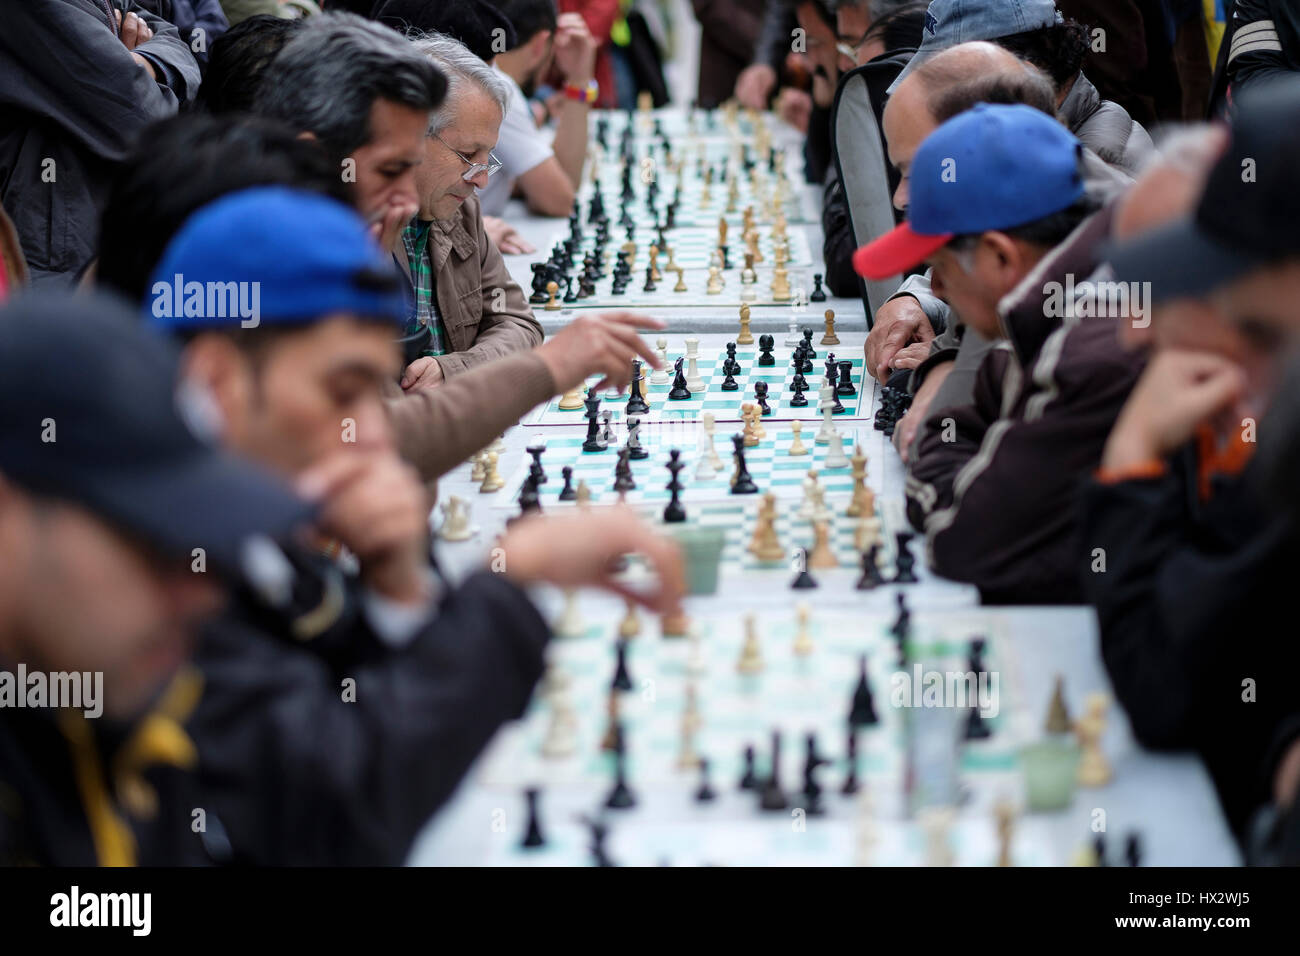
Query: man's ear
215, 365
1005, 257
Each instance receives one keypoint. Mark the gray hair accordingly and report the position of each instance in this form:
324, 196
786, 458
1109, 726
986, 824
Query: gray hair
329, 75
461, 67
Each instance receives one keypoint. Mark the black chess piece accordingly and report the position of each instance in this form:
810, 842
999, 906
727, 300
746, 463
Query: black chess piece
621, 680
804, 580
773, 797
533, 837
871, 577
818, 294
593, 442
570, 294
765, 346
729, 364
599, 831
832, 375
705, 792
674, 512
799, 400
635, 450
977, 727
606, 430
536, 467
1099, 848
649, 280
621, 796
812, 790
729, 384
749, 779
1133, 849
903, 561
568, 493
845, 384
636, 403
862, 712
529, 499
623, 480
851, 785
744, 483
760, 396
809, 352
679, 391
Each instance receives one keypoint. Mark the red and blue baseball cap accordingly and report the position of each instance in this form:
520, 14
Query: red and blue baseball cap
272, 255
992, 167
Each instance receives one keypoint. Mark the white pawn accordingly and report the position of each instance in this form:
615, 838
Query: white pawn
561, 738
706, 422
797, 447
455, 520
661, 376
694, 381
705, 470
835, 457
793, 338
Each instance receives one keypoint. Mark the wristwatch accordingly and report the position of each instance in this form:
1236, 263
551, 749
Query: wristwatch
587, 94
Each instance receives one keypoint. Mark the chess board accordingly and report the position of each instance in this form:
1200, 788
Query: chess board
798, 695
692, 250
769, 463
725, 406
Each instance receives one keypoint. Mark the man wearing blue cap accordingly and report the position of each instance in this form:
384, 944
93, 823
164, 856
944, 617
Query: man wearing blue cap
290, 352
118, 525
993, 190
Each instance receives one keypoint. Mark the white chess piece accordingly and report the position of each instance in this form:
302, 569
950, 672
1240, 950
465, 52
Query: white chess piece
807, 507
561, 738
570, 623
937, 822
828, 426
705, 470
793, 338
693, 380
455, 520
661, 376
695, 657
835, 457
706, 422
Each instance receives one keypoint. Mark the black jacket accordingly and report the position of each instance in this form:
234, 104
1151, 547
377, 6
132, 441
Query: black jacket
60, 771
1194, 600
298, 774
72, 101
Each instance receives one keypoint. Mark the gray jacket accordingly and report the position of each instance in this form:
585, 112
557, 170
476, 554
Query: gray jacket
1106, 128
72, 102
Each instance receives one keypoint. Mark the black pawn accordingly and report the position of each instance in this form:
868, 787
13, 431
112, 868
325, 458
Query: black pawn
623, 480
622, 679
536, 452
904, 562
749, 779
804, 579
765, 346
851, 785
809, 352
567, 493
649, 280
729, 364
705, 792
800, 386
744, 484
773, 797
870, 570
818, 294
862, 713
533, 837
760, 396
729, 384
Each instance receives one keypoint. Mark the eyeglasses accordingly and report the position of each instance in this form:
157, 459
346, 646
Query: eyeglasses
490, 167
851, 50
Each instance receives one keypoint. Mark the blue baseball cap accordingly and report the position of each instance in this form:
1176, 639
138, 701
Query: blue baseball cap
950, 22
272, 255
992, 167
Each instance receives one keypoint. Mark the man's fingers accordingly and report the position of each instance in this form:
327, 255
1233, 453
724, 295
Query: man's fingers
633, 343
324, 479
635, 320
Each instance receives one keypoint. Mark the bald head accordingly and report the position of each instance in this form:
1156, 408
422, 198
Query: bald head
949, 83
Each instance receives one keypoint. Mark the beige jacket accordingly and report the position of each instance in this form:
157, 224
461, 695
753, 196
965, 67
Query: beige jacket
483, 310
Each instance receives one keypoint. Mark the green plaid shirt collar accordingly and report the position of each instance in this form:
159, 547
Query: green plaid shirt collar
425, 318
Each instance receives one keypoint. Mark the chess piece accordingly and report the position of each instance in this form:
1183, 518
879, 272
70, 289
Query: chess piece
705, 793
742, 483
1005, 814
862, 709
630, 626
680, 285
706, 422
694, 381
792, 338
571, 399
533, 837
903, 560
679, 392
492, 480
655, 274
829, 337
765, 346
797, 447
863, 503
636, 403
773, 797
765, 546
570, 623
715, 284
479, 462
553, 303
455, 520
622, 680
745, 337
660, 376
808, 506
561, 739
748, 280
803, 579
835, 457
1094, 770
826, 406
674, 512
936, 822
751, 655
871, 577
803, 642
609, 739
822, 557
635, 450
593, 442
567, 493
704, 467
818, 294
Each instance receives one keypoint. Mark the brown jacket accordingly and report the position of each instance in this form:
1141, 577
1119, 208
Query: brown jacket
997, 483
438, 428
484, 311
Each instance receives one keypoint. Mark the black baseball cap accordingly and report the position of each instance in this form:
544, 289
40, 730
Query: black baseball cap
92, 414
1249, 214
472, 22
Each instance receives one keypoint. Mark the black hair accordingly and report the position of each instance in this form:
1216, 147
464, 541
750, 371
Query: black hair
528, 17
1045, 232
1028, 86
900, 28
185, 162
824, 13
1057, 50
479, 26
238, 59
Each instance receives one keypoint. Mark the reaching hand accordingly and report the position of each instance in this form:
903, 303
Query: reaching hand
899, 323
754, 85
601, 344
505, 236
424, 372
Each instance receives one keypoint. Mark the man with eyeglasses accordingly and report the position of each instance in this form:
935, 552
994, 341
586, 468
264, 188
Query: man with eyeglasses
467, 309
